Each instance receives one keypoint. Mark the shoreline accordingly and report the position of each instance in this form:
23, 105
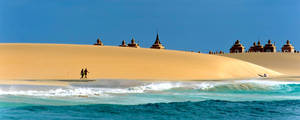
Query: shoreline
70, 82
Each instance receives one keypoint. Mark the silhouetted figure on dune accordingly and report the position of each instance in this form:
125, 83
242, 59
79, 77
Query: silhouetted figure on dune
82, 73
86, 72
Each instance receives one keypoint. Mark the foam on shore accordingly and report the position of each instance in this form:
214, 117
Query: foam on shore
152, 92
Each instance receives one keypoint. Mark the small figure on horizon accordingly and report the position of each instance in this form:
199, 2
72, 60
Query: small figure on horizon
157, 44
133, 44
237, 47
123, 44
86, 72
269, 47
82, 73
288, 48
99, 42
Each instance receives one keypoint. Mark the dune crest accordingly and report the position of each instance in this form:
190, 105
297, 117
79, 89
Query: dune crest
64, 61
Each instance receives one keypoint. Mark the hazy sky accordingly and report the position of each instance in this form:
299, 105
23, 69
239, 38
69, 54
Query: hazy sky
182, 24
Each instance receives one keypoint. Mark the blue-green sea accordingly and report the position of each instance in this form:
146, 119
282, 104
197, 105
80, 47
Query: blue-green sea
164, 100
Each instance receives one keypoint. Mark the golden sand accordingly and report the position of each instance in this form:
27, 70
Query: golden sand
62, 61
287, 63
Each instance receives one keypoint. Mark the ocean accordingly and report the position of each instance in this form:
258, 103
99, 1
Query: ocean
164, 100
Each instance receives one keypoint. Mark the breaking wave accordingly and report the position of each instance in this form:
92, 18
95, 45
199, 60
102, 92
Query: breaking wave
153, 92
205, 86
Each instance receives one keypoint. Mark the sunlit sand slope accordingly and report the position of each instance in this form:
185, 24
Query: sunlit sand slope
61, 61
288, 63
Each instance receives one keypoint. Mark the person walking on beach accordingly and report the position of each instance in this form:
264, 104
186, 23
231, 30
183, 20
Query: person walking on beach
82, 73
86, 72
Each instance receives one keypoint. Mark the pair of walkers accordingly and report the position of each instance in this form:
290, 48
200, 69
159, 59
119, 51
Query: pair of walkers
84, 73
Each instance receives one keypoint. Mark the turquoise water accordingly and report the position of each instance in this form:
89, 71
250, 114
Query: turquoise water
117, 100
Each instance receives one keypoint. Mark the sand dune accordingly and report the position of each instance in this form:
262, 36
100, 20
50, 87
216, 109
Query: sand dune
287, 63
61, 61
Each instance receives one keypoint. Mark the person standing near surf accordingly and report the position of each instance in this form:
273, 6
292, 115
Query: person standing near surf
86, 72
82, 73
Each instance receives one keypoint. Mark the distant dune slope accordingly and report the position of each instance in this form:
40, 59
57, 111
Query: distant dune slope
287, 63
61, 61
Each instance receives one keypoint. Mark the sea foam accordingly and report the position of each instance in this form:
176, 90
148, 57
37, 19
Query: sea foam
241, 85
152, 92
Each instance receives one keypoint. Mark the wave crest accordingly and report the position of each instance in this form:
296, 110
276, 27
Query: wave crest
201, 86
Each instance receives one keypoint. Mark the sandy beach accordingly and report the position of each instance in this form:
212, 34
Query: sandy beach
286, 63
64, 62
